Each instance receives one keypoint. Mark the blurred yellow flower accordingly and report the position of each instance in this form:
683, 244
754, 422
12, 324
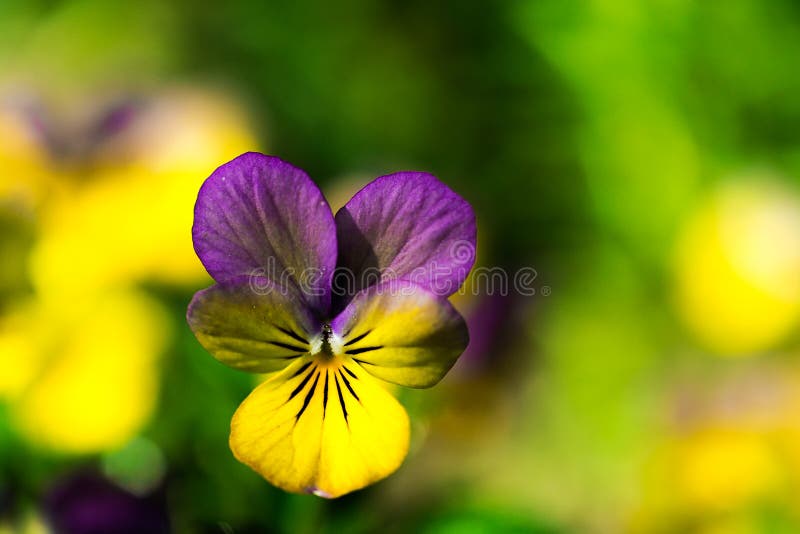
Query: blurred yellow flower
79, 356
30, 523
94, 378
23, 160
23, 347
719, 469
737, 267
130, 219
733, 453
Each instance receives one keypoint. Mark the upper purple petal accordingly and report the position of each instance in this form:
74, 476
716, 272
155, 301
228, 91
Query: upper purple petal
259, 215
405, 225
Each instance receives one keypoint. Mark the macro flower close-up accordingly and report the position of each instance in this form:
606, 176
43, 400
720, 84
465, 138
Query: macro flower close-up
332, 305
314, 268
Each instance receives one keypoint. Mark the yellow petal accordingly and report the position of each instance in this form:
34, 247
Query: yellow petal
326, 428
247, 330
99, 384
402, 333
22, 348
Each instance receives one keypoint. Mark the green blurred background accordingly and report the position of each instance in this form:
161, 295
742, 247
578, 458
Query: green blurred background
642, 157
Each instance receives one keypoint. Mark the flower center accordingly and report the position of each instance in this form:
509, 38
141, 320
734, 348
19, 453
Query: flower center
327, 344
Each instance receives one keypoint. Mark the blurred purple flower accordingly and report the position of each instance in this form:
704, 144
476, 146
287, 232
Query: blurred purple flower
89, 504
488, 321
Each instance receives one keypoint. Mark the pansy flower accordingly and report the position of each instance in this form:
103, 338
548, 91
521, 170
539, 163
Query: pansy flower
323, 423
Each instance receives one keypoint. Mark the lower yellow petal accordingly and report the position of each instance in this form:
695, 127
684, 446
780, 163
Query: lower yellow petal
321, 428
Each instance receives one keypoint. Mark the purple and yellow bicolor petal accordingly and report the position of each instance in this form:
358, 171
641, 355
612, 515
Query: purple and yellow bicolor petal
406, 225
259, 214
403, 333
321, 427
252, 324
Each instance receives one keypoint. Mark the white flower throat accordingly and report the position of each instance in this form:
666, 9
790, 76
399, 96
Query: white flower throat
327, 343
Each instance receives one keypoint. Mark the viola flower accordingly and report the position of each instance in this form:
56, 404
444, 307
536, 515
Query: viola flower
323, 423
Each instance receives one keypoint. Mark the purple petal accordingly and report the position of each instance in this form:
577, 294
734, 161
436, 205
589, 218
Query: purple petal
405, 225
260, 215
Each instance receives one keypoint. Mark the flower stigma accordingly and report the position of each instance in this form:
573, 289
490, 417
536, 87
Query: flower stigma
327, 344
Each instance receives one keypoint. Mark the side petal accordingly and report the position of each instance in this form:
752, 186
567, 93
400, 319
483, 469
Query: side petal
251, 324
402, 333
321, 429
406, 225
260, 214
